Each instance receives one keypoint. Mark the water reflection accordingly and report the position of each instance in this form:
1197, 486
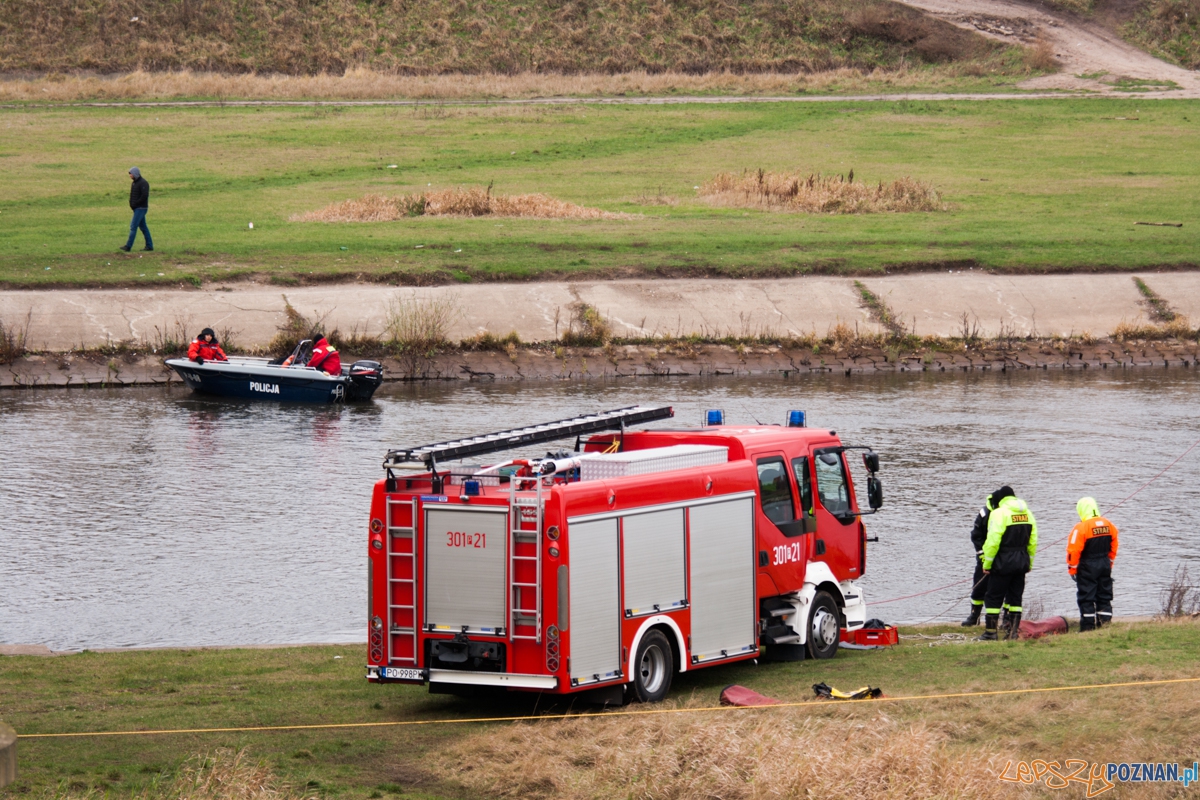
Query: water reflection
142, 517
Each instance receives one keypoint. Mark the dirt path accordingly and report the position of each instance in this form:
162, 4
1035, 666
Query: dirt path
1083, 48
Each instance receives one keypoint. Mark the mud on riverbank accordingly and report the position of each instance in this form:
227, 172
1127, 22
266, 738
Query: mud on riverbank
674, 358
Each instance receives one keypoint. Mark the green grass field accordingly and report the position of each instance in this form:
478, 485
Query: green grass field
177, 689
1038, 185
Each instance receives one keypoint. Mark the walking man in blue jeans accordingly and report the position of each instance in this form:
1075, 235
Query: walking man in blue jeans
139, 201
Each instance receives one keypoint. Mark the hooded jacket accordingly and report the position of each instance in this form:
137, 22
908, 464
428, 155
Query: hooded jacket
979, 531
139, 194
1012, 538
1093, 539
201, 351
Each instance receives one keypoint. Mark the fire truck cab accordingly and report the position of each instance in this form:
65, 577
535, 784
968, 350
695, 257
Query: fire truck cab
609, 568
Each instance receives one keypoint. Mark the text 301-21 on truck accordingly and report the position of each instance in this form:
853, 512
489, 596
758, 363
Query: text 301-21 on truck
609, 568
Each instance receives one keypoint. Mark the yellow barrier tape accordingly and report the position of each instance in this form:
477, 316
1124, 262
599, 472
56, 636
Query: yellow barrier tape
607, 714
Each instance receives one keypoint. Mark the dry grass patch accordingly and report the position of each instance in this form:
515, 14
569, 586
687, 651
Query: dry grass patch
1040, 57
223, 774
365, 84
1178, 328
473, 202
819, 194
729, 755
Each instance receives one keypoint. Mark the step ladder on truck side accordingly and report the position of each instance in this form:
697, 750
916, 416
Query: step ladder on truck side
401, 542
525, 533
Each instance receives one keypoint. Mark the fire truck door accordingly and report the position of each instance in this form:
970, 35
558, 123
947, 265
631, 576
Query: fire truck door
465, 575
594, 601
724, 603
837, 529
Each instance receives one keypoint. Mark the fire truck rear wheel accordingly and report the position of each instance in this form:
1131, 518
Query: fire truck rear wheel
824, 627
653, 668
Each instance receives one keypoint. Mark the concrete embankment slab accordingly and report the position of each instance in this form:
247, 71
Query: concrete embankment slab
251, 312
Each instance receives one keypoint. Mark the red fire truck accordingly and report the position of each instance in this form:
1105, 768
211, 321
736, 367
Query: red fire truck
608, 568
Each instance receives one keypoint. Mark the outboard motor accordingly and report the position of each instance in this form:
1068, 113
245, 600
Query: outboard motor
365, 377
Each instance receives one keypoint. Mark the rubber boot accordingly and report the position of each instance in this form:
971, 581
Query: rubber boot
1013, 631
1004, 618
973, 618
1087, 623
989, 633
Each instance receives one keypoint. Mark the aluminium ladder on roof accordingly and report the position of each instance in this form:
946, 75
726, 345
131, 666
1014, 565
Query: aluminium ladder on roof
429, 455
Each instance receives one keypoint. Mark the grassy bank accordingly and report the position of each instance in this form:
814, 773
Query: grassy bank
456, 37
1042, 185
1169, 29
946, 747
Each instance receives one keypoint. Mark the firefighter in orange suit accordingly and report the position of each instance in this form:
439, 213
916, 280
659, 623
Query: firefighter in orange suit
1091, 551
325, 356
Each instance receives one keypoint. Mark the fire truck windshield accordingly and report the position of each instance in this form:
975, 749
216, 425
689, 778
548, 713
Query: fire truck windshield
831, 485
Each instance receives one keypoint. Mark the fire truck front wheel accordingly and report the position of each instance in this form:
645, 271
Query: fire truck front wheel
824, 627
653, 668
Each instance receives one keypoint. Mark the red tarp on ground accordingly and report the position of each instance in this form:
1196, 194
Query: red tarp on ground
1042, 627
735, 695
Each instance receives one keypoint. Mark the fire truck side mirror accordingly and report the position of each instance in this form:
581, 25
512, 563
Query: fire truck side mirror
874, 493
871, 461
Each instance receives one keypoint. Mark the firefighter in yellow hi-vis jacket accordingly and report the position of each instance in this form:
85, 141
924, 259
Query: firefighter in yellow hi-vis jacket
1007, 557
1091, 551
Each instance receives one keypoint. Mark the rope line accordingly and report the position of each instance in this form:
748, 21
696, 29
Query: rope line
1107, 511
564, 717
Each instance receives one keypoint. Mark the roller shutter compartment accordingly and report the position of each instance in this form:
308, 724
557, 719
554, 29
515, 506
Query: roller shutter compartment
465, 569
724, 608
595, 629
654, 562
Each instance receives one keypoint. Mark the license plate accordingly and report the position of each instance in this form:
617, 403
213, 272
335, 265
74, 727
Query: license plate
401, 674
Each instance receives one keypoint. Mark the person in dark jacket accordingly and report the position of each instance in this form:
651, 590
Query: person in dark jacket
1008, 556
205, 347
980, 580
139, 201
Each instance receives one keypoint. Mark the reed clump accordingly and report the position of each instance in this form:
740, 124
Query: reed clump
695, 756
1181, 598
588, 327
816, 193
417, 329
469, 202
14, 339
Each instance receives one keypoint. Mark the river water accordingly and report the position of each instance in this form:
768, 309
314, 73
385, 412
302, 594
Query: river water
152, 517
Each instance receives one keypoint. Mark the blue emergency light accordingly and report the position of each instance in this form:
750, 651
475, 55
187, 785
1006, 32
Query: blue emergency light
714, 416
471, 488
795, 419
